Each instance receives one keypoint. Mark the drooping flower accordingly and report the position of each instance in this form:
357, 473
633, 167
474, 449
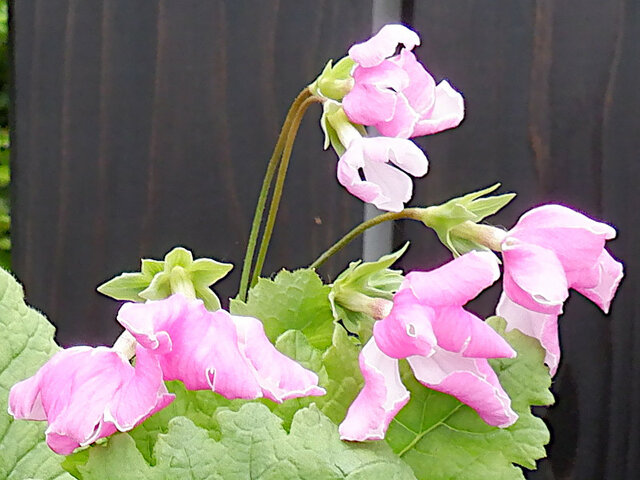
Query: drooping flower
89, 393
395, 93
551, 249
446, 346
381, 183
206, 350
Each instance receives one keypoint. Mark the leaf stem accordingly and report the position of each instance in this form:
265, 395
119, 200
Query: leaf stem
264, 191
411, 213
279, 185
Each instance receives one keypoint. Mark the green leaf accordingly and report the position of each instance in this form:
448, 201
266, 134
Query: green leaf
26, 343
442, 438
292, 301
126, 286
252, 444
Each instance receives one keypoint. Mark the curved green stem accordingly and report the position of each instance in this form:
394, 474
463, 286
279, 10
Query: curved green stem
411, 213
264, 192
277, 189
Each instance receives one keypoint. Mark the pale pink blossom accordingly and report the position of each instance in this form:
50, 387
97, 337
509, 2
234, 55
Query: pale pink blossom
382, 161
446, 346
395, 93
216, 351
89, 393
551, 249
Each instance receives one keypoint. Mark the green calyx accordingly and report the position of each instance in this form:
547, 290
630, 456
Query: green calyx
335, 81
177, 273
364, 292
338, 129
455, 222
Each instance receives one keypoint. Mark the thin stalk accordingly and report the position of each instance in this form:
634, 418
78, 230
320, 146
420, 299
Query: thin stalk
264, 192
279, 185
411, 213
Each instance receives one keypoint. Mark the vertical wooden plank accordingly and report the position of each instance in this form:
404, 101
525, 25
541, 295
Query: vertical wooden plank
547, 91
143, 125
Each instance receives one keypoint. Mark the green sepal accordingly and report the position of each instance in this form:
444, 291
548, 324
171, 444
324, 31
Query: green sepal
177, 273
337, 127
473, 207
335, 81
356, 293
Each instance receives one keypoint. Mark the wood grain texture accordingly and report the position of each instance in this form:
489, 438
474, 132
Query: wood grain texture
552, 114
144, 125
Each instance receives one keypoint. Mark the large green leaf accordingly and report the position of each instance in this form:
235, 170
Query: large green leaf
26, 343
292, 301
442, 438
252, 444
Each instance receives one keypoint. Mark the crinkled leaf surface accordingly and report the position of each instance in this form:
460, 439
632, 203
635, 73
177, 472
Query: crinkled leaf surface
442, 438
26, 343
291, 301
252, 444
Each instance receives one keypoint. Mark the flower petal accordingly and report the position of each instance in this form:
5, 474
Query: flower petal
462, 332
368, 105
533, 277
407, 329
610, 275
470, 380
279, 376
141, 396
421, 90
401, 152
541, 326
447, 112
383, 45
349, 176
382, 397
403, 121
559, 216
396, 187
455, 282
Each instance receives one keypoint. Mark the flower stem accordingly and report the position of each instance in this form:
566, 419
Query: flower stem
279, 185
411, 213
264, 192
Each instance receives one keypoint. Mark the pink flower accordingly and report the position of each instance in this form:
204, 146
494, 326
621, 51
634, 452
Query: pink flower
395, 93
228, 354
384, 185
551, 249
89, 393
446, 346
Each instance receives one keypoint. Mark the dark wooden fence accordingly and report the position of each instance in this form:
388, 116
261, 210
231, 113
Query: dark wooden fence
141, 125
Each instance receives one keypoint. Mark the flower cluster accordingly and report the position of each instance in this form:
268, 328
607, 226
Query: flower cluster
89, 393
399, 97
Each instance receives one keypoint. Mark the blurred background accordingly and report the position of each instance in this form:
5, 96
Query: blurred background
140, 125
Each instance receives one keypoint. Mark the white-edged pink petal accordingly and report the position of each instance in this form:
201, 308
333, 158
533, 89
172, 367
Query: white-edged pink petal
399, 151
383, 45
421, 90
88, 393
533, 277
470, 380
396, 187
349, 176
610, 275
559, 216
130, 404
403, 121
279, 376
382, 397
447, 112
460, 331
543, 327
456, 282
407, 329
368, 105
